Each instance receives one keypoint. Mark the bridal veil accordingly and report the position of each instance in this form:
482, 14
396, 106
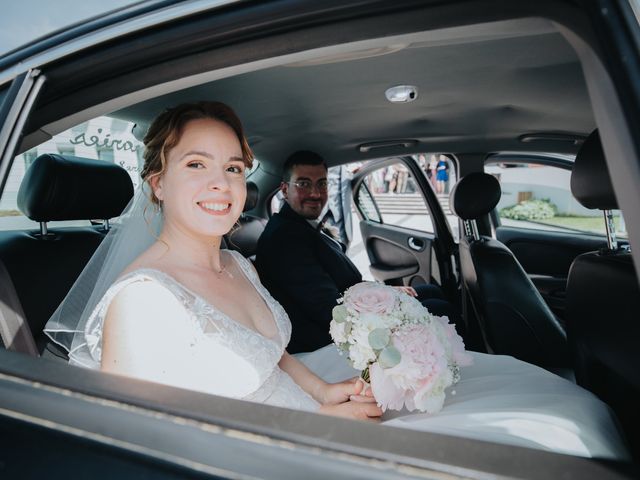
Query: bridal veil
135, 230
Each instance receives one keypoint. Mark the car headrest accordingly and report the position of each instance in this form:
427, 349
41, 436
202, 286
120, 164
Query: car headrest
590, 180
62, 187
475, 195
252, 197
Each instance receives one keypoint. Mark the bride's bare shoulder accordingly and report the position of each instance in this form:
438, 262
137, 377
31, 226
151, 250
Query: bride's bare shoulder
143, 321
146, 300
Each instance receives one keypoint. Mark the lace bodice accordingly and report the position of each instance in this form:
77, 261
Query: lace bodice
211, 331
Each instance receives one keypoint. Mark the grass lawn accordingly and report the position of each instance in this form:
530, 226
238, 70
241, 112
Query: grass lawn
9, 213
591, 224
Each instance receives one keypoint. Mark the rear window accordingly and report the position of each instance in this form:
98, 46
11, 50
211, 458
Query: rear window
102, 138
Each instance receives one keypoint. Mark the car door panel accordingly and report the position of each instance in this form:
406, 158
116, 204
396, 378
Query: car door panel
392, 258
544, 252
546, 256
398, 226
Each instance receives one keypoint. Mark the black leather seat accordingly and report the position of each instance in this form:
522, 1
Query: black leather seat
513, 318
43, 264
603, 304
244, 238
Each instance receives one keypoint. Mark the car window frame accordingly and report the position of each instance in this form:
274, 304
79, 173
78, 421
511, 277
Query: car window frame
523, 159
547, 159
441, 226
437, 450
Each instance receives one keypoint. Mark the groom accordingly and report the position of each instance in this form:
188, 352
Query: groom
303, 267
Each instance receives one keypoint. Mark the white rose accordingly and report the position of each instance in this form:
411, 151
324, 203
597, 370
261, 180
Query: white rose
339, 331
359, 334
361, 355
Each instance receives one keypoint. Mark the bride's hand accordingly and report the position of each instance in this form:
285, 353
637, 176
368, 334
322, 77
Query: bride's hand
353, 389
354, 410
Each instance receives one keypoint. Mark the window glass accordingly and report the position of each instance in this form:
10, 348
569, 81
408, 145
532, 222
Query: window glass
277, 200
539, 197
102, 138
254, 166
393, 190
400, 203
367, 204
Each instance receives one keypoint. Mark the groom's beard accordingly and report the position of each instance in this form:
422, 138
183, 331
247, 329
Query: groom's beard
311, 209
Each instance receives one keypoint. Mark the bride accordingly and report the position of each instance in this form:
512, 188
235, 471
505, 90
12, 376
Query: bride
186, 313
161, 301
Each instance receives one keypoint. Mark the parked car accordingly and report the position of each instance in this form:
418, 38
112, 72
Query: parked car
493, 82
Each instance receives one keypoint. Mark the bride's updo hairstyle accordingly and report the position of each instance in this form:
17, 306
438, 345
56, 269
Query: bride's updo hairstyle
166, 130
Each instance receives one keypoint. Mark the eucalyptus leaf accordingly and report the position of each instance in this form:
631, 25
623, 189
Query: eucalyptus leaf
379, 338
389, 357
339, 313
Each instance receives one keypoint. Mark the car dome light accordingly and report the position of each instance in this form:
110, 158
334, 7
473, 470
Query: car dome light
402, 94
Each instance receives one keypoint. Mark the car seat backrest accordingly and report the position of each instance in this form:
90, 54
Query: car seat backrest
244, 237
43, 264
512, 315
603, 301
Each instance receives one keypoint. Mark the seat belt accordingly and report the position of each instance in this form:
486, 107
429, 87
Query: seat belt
14, 330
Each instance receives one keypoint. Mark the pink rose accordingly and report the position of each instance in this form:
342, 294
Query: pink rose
419, 380
369, 297
460, 356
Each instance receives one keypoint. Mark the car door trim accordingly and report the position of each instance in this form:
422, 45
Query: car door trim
121, 27
15, 120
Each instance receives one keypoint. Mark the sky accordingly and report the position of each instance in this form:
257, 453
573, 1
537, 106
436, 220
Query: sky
25, 20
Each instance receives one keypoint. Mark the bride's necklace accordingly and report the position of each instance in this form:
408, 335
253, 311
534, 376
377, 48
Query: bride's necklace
222, 271
220, 274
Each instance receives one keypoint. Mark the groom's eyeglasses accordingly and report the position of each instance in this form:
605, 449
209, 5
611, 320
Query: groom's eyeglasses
307, 186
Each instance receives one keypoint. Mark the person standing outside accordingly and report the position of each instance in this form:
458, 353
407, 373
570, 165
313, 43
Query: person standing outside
442, 174
432, 171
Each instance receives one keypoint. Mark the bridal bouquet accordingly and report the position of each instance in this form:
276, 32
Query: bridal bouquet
408, 355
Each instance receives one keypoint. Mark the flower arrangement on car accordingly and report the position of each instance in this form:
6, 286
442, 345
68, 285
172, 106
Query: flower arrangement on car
407, 355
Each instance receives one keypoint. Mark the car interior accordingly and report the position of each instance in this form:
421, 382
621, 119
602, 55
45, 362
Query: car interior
513, 86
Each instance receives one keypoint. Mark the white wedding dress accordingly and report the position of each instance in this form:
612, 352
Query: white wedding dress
211, 332
499, 398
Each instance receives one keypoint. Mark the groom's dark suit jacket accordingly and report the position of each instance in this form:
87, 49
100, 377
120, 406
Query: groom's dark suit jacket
306, 271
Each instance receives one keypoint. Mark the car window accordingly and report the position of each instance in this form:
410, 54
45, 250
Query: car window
537, 196
390, 194
102, 138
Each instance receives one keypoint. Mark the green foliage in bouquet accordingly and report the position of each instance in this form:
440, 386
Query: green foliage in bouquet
530, 210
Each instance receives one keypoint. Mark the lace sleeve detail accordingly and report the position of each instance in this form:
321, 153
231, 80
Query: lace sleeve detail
246, 266
279, 314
